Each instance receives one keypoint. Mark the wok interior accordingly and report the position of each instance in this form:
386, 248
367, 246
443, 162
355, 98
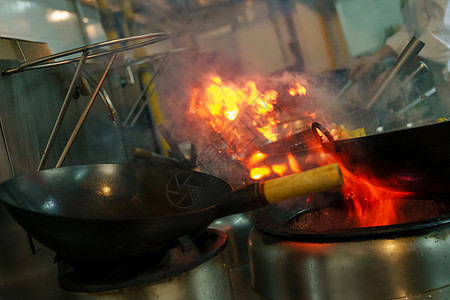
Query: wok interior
109, 191
337, 217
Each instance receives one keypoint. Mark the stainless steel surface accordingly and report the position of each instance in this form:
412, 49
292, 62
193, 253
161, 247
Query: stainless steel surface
42, 62
209, 281
21, 50
406, 57
365, 269
63, 110
238, 227
85, 112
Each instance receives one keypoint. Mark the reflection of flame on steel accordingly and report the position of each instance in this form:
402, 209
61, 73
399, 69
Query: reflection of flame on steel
105, 191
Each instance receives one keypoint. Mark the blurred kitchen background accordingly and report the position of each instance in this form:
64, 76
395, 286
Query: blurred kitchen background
318, 39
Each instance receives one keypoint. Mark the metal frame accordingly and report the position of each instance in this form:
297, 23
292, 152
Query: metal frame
138, 41
40, 63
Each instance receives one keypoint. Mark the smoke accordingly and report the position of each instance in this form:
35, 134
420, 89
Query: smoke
191, 70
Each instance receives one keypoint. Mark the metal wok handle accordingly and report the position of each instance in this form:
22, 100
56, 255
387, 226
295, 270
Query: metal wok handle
315, 127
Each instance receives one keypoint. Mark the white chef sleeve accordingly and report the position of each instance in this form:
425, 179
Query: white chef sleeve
436, 47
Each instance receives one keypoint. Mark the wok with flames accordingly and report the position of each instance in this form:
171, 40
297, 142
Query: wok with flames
115, 214
415, 159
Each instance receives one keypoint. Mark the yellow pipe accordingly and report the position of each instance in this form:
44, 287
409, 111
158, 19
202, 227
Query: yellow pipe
156, 112
146, 75
153, 99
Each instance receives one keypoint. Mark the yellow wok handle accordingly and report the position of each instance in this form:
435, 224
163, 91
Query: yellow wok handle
315, 180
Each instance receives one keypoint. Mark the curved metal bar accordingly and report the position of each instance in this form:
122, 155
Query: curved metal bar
149, 58
112, 112
85, 112
39, 63
316, 127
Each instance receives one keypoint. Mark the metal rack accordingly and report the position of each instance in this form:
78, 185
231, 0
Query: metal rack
81, 55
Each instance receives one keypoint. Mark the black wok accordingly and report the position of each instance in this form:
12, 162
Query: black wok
113, 214
414, 159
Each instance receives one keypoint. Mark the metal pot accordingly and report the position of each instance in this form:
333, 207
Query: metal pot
383, 262
413, 159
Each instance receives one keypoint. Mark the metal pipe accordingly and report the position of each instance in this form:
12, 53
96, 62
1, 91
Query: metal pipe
142, 94
63, 110
344, 89
8, 155
406, 57
112, 112
85, 112
136, 103
419, 99
141, 109
415, 72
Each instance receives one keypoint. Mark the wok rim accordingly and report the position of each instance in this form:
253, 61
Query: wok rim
155, 217
382, 134
392, 231
125, 165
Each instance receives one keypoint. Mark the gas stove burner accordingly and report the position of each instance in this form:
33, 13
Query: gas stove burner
300, 250
185, 256
335, 221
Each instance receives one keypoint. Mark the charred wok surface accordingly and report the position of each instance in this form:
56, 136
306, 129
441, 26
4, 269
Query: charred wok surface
415, 159
329, 217
338, 218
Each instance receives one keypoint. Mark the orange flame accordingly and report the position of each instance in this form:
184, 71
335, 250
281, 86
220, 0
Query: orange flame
297, 90
256, 157
373, 205
293, 164
221, 103
279, 169
260, 172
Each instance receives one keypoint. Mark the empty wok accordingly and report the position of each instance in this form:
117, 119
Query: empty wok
113, 214
414, 159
